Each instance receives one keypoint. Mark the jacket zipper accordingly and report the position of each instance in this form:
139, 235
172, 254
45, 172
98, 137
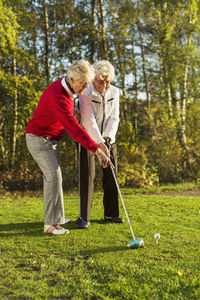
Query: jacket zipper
103, 114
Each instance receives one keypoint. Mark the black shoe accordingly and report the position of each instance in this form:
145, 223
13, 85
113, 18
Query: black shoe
114, 219
82, 224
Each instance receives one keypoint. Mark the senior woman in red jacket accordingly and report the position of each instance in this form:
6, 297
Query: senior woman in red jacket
53, 116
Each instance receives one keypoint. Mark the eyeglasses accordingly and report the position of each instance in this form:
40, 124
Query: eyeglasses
84, 84
102, 82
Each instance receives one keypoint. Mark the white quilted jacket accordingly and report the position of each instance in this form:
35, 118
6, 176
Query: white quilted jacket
100, 114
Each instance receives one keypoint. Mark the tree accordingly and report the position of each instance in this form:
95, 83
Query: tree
154, 46
8, 47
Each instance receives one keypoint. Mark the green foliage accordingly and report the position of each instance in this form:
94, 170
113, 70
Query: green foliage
69, 163
136, 175
134, 169
8, 30
165, 150
155, 50
193, 129
95, 263
22, 179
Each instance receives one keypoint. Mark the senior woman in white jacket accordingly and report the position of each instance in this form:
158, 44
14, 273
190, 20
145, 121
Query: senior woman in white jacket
99, 108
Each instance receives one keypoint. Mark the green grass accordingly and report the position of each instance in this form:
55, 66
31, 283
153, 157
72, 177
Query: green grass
95, 263
163, 188
186, 186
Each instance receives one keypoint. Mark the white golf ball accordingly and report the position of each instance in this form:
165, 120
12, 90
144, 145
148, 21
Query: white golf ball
157, 236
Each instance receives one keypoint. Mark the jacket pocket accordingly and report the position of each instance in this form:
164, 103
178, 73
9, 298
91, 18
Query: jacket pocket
95, 101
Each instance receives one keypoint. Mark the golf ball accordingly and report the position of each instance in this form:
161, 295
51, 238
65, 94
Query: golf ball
157, 236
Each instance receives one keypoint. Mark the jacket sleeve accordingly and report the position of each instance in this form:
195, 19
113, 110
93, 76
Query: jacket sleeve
63, 109
113, 121
88, 119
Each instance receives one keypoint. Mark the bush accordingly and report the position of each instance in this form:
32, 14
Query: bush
21, 180
134, 168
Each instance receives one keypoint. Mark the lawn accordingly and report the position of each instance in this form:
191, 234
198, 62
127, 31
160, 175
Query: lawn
96, 263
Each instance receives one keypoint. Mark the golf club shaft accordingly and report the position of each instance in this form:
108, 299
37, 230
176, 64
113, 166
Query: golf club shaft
79, 176
113, 172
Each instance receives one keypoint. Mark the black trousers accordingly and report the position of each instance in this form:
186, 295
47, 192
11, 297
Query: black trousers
86, 177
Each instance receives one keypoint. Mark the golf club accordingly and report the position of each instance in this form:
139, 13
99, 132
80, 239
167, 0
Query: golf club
136, 243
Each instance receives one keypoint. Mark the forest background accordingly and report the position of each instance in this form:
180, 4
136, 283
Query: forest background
155, 49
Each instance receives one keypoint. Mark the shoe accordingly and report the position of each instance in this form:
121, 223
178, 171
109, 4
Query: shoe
82, 224
55, 229
114, 219
67, 220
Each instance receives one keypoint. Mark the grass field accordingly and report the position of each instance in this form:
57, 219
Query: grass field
95, 263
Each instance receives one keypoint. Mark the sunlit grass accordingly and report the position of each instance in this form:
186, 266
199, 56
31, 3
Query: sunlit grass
95, 263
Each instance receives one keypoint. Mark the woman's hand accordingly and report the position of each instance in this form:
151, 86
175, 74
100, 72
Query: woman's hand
105, 149
103, 159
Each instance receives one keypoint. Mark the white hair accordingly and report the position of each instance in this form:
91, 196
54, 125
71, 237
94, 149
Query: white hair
81, 69
103, 68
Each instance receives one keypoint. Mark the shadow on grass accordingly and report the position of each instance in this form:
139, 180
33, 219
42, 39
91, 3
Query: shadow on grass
103, 250
21, 228
34, 228
102, 221
72, 225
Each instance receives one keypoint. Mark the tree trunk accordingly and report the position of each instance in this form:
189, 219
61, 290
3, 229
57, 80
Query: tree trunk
46, 41
4, 154
15, 125
143, 65
102, 31
168, 88
182, 118
165, 75
55, 49
135, 100
92, 43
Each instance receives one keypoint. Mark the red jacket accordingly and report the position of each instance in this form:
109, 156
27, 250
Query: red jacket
54, 114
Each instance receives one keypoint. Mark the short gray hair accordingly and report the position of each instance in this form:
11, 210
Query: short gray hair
103, 68
80, 69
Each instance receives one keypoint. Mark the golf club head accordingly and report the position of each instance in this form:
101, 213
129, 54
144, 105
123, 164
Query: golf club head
138, 243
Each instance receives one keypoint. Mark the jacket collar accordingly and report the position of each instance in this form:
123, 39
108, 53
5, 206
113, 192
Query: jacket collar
68, 89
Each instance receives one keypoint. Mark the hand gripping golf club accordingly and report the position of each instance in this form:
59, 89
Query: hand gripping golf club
136, 243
